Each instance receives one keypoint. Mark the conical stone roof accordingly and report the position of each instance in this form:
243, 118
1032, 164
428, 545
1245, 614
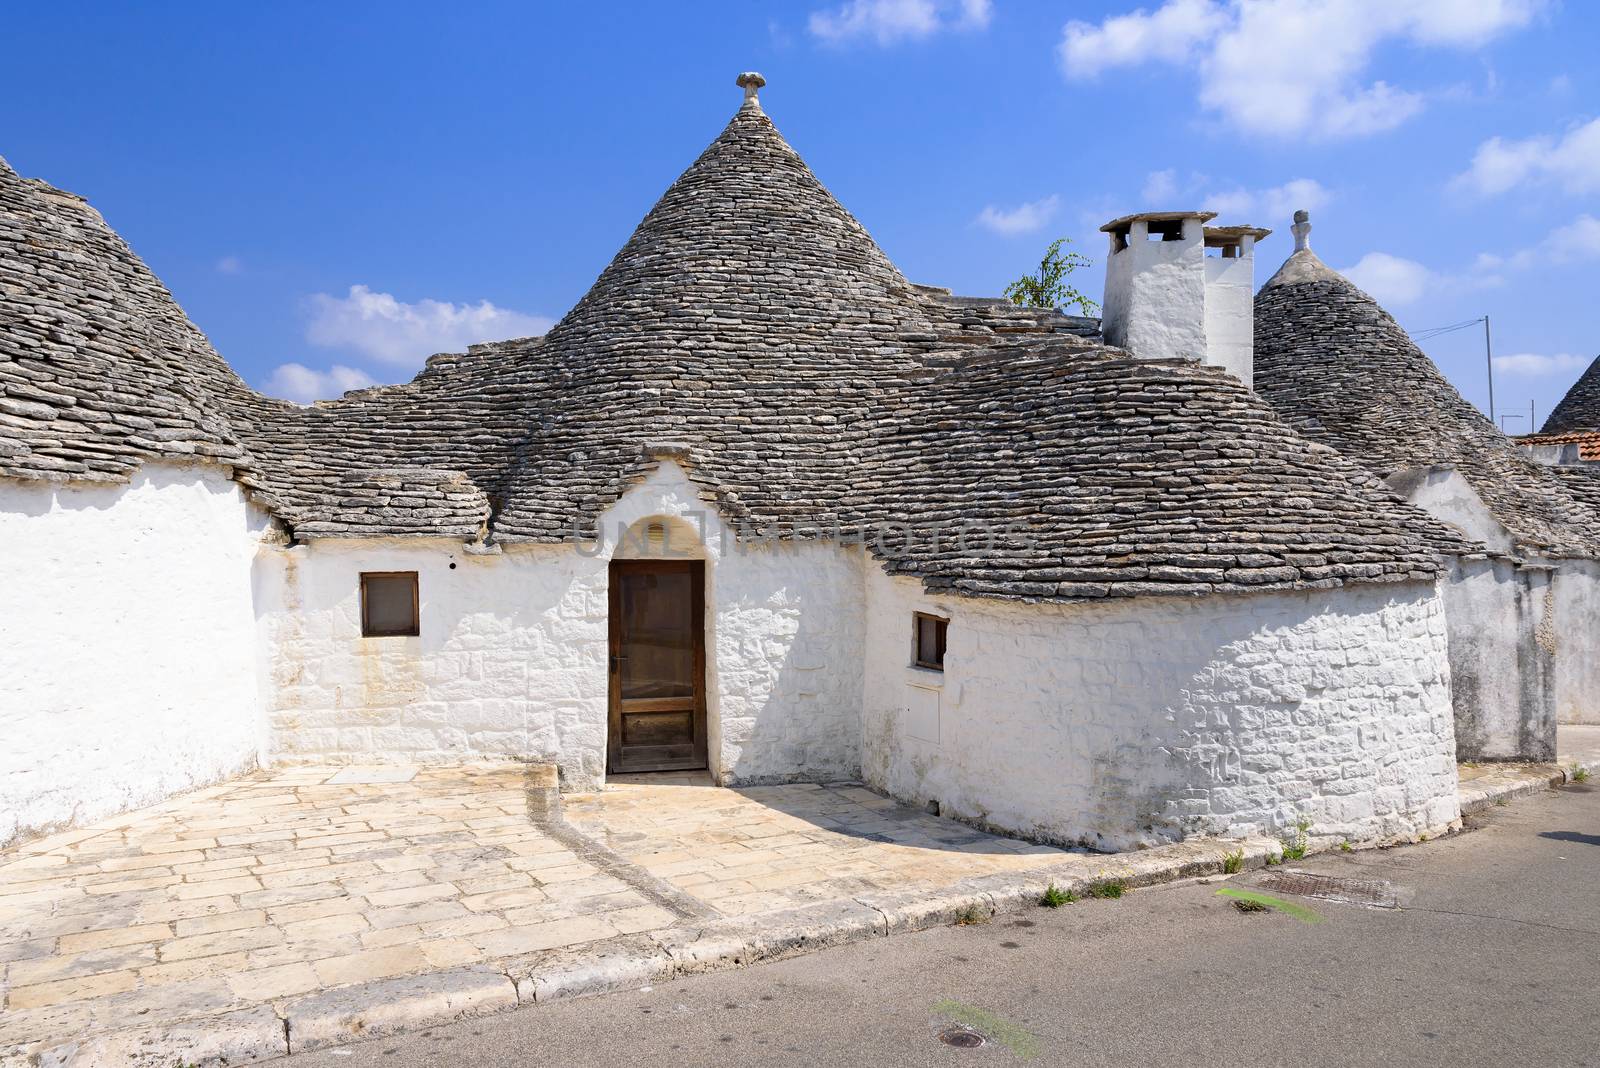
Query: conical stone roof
1580, 408
1342, 371
98, 366
753, 332
750, 317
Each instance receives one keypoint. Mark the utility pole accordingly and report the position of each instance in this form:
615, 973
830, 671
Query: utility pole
1488, 356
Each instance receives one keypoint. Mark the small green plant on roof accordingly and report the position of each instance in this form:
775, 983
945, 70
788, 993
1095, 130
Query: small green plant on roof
1233, 863
1345, 846
1295, 846
1054, 897
1580, 773
1107, 888
972, 914
1049, 287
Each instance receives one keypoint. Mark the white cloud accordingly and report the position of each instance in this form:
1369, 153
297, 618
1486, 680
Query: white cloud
302, 384
1022, 219
1173, 34
1572, 162
888, 21
384, 328
1576, 242
1271, 206
1533, 365
229, 265
1390, 279
1160, 186
1289, 67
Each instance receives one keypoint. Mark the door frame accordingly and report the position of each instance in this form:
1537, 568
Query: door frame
696, 570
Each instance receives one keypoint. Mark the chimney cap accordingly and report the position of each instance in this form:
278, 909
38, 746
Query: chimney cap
1123, 224
1221, 236
751, 82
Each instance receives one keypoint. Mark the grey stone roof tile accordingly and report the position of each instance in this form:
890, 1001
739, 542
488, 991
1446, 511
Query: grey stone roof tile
1342, 371
752, 331
1580, 408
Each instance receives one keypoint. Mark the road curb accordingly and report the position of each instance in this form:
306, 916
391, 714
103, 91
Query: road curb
387, 1006
1509, 782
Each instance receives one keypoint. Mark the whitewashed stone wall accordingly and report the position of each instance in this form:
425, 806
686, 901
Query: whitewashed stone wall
1129, 723
1155, 294
1502, 659
127, 644
1230, 312
511, 661
1573, 636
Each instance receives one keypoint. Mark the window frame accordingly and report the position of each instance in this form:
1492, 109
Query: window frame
415, 630
941, 640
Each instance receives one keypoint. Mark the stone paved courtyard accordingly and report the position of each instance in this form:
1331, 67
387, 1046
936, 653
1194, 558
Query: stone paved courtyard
769, 847
255, 893
299, 879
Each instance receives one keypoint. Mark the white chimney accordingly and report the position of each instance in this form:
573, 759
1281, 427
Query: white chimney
1179, 289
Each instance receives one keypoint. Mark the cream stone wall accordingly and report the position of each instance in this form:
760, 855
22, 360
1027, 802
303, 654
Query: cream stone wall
127, 644
512, 657
1128, 723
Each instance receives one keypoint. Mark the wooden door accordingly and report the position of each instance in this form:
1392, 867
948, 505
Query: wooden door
658, 666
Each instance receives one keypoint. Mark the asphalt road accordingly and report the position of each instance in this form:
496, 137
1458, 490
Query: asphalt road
1493, 960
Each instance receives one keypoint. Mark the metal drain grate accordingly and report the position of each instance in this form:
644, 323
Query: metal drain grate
961, 1038
1373, 893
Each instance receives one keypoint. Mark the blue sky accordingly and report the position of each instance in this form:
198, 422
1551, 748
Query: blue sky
334, 191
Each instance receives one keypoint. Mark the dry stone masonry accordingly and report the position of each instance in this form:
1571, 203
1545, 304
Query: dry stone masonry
1520, 601
1254, 610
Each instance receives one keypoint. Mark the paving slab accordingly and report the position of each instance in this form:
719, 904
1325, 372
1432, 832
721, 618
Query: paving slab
229, 921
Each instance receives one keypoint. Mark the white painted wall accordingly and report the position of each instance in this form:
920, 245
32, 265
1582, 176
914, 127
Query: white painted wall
1133, 722
1500, 615
1445, 494
1155, 294
1502, 669
511, 660
1573, 635
127, 644
1169, 300
1230, 312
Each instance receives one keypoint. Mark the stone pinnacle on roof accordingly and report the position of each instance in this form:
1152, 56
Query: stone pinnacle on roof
1302, 230
1303, 266
751, 82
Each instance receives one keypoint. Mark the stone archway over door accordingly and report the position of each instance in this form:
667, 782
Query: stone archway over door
657, 666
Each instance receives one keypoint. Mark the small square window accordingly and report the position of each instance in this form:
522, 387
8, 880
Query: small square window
388, 604
928, 646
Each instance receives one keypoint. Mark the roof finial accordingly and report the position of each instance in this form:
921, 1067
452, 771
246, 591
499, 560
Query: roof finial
1302, 230
751, 83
